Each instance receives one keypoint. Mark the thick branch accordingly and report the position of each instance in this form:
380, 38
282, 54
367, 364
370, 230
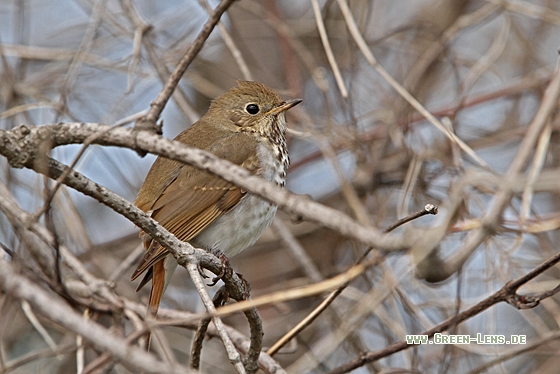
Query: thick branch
57, 311
19, 146
235, 286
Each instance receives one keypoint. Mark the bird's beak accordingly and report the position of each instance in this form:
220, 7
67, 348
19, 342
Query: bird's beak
284, 106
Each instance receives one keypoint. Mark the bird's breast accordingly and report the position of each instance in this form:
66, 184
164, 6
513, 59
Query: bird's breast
273, 161
243, 225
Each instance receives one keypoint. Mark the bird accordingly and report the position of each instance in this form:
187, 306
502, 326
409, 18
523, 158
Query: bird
246, 126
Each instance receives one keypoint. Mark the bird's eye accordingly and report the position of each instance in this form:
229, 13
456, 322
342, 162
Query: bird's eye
252, 108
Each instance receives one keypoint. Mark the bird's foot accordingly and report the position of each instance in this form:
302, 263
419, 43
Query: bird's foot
226, 266
201, 271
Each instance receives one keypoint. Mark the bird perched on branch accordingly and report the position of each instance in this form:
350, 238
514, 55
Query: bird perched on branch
246, 126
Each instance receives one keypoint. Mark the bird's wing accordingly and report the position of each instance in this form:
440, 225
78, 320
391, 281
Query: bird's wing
194, 198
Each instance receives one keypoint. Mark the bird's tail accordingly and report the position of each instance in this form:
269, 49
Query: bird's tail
158, 286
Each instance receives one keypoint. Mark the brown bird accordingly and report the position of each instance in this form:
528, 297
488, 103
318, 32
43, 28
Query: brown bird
246, 126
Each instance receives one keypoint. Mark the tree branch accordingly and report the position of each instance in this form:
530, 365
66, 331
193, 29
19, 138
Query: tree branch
57, 311
156, 107
508, 293
20, 144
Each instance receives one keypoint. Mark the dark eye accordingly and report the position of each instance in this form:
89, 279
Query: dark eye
252, 108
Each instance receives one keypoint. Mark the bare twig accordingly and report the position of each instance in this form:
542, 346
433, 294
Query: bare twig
299, 292
156, 107
503, 196
141, 31
38, 326
399, 88
328, 50
508, 293
59, 312
230, 43
428, 209
233, 355
20, 154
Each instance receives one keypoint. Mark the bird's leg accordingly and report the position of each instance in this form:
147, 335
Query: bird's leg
226, 266
221, 297
201, 271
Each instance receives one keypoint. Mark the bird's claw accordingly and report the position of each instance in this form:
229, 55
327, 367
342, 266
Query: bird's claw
225, 267
201, 271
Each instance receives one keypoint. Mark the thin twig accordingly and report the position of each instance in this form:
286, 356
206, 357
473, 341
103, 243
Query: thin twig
230, 43
428, 209
232, 353
353, 28
59, 312
156, 107
37, 325
328, 50
308, 320
503, 196
76, 63
142, 29
508, 293
298, 292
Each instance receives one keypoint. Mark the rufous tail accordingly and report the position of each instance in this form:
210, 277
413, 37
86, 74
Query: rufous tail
158, 286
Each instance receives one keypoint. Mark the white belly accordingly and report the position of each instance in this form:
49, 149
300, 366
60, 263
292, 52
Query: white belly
239, 228
244, 225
